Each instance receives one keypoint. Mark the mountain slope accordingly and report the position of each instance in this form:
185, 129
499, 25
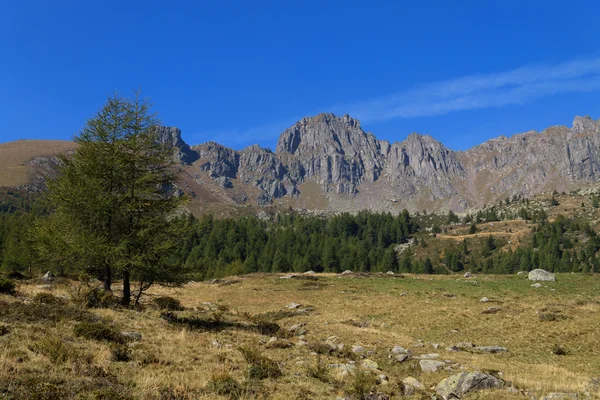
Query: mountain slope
330, 163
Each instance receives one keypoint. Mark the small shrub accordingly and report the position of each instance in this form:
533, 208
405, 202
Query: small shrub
360, 385
54, 348
549, 317
223, 384
4, 330
120, 353
47, 298
260, 366
98, 331
168, 303
36, 313
559, 350
267, 328
16, 275
7, 286
319, 370
95, 298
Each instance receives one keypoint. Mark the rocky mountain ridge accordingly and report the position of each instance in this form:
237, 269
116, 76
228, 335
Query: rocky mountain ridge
330, 163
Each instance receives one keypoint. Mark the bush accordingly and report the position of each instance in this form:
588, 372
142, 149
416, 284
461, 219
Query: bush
223, 384
37, 313
168, 303
120, 353
319, 370
559, 350
7, 286
95, 298
47, 298
98, 331
361, 384
54, 348
260, 366
15, 275
4, 330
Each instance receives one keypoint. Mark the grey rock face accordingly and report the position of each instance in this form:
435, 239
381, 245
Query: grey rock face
132, 336
353, 170
431, 365
541, 275
456, 386
48, 277
334, 151
583, 124
171, 137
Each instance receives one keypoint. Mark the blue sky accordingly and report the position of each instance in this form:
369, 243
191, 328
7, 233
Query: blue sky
240, 72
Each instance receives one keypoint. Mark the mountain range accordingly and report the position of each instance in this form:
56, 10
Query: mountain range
329, 163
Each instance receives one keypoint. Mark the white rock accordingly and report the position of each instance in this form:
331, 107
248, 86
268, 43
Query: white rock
541, 275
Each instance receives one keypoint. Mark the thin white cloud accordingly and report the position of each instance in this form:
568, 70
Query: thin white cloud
513, 87
518, 86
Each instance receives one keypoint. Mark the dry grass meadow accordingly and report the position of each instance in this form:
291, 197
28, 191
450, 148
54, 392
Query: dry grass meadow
197, 354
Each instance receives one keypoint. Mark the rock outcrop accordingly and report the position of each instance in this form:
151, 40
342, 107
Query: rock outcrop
541, 275
456, 386
171, 137
330, 163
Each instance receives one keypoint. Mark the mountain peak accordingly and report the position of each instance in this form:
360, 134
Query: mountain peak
586, 123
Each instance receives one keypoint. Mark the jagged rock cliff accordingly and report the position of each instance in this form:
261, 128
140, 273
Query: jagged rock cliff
171, 137
330, 163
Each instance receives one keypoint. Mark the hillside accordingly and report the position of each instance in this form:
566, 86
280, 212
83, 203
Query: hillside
328, 163
315, 333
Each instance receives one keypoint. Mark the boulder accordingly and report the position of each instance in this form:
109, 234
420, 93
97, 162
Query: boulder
400, 350
410, 385
341, 371
358, 349
427, 356
467, 275
347, 272
132, 336
48, 277
456, 386
541, 275
536, 285
402, 357
292, 306
490, 349
311, 272
431, 365
484, 300
370, 365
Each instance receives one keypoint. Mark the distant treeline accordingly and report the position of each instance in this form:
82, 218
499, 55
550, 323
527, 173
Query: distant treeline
361, 242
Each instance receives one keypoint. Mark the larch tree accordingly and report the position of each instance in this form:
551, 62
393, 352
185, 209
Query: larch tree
113, 197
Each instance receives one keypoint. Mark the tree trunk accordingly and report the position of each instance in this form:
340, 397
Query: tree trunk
126, 289
107, 279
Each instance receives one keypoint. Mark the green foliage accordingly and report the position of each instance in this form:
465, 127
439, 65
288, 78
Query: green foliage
295, 243
223, 384
98, 331
54, 348
168, 303
95, 297
260, 367
120, 352
113, 213
319, 370
47, 298
472, 229
7, 286
360, 385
